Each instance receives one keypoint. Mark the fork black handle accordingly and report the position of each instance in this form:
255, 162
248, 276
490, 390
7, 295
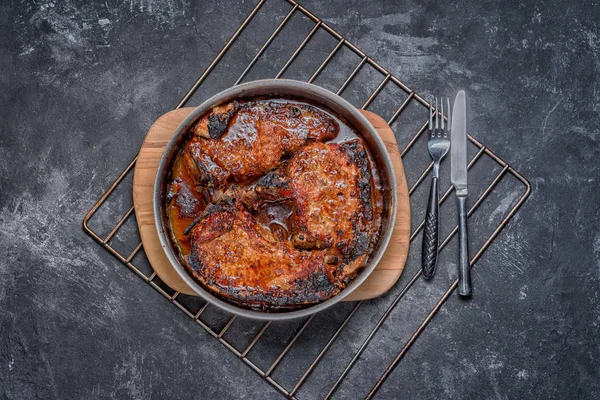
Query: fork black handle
430, 233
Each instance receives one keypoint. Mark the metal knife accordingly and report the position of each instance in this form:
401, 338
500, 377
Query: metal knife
458, 175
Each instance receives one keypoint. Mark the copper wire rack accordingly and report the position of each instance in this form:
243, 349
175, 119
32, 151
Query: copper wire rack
340, 340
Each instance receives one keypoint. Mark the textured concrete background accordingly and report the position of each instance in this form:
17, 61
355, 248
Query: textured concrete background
80, 85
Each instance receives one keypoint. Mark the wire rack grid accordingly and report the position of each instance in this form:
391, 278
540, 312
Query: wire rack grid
246, 341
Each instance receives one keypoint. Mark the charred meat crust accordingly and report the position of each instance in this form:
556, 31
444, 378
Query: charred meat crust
215, 124
271, 180
358, 155
310, 290
360, 244
363, 232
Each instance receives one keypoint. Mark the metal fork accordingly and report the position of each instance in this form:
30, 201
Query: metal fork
438, 146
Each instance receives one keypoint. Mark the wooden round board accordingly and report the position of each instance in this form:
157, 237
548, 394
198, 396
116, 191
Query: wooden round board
384, 276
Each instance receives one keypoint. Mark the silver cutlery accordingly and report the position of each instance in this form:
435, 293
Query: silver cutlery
458, 176
438, 146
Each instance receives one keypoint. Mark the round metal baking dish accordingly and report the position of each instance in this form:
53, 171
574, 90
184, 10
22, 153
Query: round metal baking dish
280, 88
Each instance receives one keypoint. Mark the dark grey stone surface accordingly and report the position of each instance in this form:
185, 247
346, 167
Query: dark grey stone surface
82, 82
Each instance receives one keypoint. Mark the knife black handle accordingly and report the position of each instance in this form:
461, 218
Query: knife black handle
465, 288
430, 233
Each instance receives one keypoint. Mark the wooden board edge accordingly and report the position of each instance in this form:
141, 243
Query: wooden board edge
149, 234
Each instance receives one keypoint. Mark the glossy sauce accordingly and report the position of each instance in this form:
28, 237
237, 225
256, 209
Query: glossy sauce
184, 205
275, 216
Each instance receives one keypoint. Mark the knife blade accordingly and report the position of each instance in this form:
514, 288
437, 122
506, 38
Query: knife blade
458, 144
458, 176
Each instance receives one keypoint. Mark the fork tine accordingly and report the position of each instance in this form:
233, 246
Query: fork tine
431, 115
449, 112
442, 111
437, 115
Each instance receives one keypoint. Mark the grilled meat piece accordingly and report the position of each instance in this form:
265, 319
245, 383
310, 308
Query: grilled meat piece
333, 205
234, 256
258, 135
